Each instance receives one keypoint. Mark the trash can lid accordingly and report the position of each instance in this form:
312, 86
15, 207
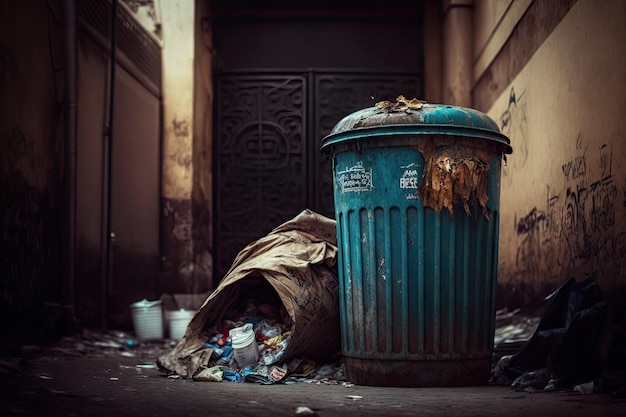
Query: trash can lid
416, 117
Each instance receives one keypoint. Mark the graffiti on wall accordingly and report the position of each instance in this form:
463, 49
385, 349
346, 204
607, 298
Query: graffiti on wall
180, 153
514, 124
575, 233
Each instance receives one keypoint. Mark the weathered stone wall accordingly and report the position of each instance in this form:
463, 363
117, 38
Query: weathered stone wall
202, 193
186, 172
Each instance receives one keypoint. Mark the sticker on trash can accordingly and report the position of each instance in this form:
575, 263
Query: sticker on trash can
410, 180
355, 179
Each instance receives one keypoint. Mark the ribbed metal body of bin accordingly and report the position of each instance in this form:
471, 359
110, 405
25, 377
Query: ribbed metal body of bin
416, 193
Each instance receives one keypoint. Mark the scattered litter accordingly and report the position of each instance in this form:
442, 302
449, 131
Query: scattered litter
130, 343
62, 393
277, 373
131, 367
108, 344
259, 346
232, 375
45, 377
551, 386
214, 374
114, 378
266, 298
146, 366
304, 411
274, 312
586, 388
354, 397
245, 349
533, 380
95, 343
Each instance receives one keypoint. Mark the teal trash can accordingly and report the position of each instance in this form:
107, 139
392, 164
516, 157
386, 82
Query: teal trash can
417, 190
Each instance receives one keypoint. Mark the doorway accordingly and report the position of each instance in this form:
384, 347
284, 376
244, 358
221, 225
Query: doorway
283, 79
268, 130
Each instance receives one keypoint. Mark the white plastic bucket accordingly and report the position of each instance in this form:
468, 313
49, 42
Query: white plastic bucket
178, 321
245, 349
148, 320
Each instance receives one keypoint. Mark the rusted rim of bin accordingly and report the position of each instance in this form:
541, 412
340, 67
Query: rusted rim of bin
421, 119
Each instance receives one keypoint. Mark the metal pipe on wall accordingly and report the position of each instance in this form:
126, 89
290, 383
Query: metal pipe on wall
69, 166
108, 237
457, 52
433, 60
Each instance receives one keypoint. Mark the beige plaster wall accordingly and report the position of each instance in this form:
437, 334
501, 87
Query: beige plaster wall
186, 170
202, 194
178, 58
177, 169
563, 202
184, 29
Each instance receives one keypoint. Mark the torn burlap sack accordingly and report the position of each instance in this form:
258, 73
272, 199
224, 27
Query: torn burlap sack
298, 261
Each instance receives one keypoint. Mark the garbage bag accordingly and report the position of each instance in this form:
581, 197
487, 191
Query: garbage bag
566, 339
613, 377
297, 260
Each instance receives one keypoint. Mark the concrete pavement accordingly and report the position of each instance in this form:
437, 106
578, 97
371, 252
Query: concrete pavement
116, 385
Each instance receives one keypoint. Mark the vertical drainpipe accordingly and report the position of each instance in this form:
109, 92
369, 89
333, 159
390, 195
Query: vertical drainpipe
457, 52
69, 165
108, 237
433, 29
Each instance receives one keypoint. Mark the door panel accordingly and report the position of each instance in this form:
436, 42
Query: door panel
261, 158
135, 192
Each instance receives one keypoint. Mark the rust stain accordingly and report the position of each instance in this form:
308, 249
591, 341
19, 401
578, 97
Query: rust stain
454, 176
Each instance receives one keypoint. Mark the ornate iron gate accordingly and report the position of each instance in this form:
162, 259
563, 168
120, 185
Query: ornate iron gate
268, 166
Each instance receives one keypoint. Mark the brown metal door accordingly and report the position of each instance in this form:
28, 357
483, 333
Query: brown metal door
268, 133
119, 172
135, 194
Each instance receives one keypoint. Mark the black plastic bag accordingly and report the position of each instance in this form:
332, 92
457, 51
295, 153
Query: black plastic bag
567, 338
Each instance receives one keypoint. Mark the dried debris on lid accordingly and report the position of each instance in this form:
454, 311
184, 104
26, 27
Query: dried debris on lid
401, 104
